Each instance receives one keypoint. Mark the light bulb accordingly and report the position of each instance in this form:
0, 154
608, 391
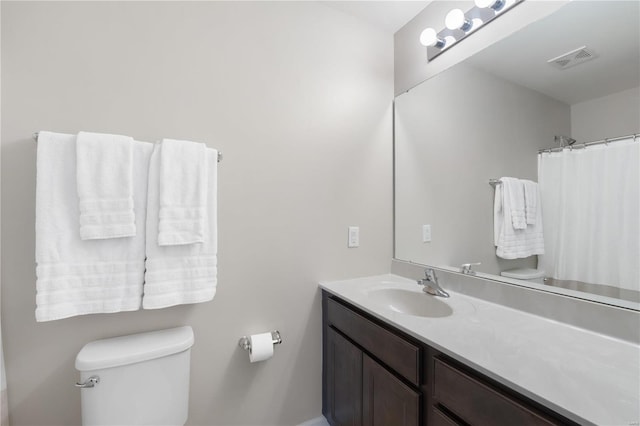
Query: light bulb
450, 40
429, 37
455, 19
493, 4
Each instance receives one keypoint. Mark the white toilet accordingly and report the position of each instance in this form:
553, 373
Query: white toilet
526, 274
142, 379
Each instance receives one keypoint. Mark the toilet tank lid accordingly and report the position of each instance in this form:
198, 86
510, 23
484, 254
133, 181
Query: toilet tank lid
134, 348
523, 273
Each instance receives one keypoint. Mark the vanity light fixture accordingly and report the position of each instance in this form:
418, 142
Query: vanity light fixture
493, 4
429, 37
455, 20
459, 24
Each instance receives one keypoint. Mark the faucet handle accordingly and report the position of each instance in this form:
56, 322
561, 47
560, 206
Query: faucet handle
431, 285
430, 275
465, 268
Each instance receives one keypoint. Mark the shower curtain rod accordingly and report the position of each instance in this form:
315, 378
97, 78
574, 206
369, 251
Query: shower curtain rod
633, 136
35, 137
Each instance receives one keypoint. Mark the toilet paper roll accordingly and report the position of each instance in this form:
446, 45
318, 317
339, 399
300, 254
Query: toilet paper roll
261, 347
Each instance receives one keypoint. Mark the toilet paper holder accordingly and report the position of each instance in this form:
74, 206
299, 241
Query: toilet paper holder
245, 342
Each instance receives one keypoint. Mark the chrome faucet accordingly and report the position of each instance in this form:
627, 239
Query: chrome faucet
465, 268
430, 284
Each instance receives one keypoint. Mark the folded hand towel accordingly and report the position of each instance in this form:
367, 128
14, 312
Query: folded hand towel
183, 192
105, 186
76, 277
513, 200
187, 273
517, 243
530, 201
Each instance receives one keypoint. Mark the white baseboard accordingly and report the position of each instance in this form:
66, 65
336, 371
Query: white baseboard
318, 421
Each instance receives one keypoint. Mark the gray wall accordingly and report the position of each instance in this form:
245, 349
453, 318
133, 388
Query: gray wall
296, 95
453, 133
617, 114
411, 65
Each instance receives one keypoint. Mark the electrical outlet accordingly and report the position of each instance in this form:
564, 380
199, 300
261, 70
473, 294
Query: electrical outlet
354, 237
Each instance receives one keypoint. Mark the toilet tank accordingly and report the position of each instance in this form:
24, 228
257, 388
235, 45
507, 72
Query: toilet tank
144, 378
527, 274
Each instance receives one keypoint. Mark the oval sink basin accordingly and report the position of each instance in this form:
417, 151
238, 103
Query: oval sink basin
411, 302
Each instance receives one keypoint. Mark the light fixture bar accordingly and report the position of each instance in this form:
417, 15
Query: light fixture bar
459, 24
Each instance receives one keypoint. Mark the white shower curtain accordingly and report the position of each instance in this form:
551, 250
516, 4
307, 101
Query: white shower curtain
591, 214
4, 409
4, 406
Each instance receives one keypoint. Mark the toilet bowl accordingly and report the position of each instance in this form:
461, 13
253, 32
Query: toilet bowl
526, 274
140, 379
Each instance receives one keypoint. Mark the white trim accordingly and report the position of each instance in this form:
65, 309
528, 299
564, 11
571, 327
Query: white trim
318, 421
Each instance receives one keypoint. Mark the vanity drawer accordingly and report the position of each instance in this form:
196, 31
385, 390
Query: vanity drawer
400, 355
478, 403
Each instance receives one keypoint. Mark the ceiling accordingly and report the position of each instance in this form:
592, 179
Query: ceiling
610, 28
388, 16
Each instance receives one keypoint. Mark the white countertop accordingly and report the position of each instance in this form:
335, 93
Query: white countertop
585, 376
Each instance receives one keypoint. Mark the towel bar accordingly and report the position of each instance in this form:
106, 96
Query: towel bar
35, 136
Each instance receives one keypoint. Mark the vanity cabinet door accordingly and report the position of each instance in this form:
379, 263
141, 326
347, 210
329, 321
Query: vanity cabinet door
343, 381
442, 419
387, 401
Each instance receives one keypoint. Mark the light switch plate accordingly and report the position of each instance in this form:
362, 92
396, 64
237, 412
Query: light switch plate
354, 237
426, 233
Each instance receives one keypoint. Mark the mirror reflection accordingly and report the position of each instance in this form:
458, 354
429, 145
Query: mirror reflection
474, 184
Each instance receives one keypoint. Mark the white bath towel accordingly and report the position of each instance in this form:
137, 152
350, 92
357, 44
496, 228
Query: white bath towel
516, 243
183, 192
187, 273
498, 217
105, 186
75, 276
513, 200
530, 201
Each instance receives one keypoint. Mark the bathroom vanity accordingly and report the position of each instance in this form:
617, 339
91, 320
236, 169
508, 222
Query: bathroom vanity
393, 355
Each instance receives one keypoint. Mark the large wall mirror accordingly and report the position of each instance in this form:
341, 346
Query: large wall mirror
489, 116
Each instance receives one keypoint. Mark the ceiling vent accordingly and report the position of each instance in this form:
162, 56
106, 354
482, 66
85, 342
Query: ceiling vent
573, 58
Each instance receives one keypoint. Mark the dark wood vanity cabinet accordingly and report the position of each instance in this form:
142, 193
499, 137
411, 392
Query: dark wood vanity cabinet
370, 375
343, 378
362, 392
479, 403
386, 400
373, 374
